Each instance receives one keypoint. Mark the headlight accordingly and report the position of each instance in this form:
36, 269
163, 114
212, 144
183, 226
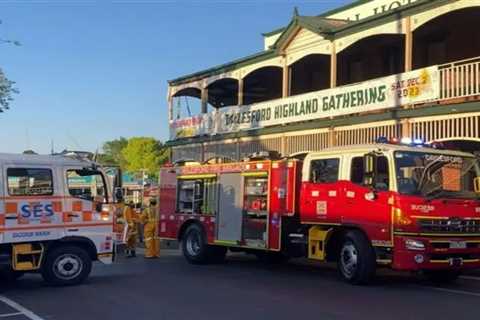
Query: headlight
416, 245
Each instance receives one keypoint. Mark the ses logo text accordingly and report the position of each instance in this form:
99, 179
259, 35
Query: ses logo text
29, 211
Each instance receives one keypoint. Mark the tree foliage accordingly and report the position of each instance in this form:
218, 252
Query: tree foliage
135, 154
112, 152
7, 89
144, 153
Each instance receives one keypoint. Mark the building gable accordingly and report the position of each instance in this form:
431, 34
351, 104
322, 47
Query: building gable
303, 38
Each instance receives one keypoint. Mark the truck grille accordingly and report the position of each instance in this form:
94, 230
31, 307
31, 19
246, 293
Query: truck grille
452, 225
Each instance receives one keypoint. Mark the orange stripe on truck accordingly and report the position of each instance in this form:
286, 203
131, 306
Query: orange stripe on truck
57, 206
87, 216
77, 206
11, 207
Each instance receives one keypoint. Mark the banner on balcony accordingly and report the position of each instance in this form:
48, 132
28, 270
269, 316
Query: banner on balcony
192, 126
413, 87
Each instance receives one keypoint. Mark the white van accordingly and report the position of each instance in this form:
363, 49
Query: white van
56, 216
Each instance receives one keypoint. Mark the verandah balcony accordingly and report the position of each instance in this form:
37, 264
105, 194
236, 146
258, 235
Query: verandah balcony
442, 38
439, 84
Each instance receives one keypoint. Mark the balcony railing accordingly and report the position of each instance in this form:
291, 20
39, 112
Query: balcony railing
460, 79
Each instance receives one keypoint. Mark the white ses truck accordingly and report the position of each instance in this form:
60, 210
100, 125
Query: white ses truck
56, 216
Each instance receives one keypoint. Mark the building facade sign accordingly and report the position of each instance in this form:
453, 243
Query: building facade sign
193, 126
371, 8
383, 93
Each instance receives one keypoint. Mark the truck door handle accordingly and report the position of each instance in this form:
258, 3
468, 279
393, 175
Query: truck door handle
73, 215
72, 230
11, 218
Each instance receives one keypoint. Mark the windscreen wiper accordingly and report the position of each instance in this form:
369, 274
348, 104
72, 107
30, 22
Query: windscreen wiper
435, 194
431, 167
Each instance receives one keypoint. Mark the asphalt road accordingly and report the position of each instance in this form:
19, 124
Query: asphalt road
242, 288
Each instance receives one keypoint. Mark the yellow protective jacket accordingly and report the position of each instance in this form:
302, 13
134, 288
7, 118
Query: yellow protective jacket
150, 232
129, 215
149, 215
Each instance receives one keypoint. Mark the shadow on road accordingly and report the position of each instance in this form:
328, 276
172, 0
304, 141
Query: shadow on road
237, 267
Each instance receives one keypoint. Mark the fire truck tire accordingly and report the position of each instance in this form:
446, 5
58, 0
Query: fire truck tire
442, 276
194, 246
356, 261
66, 265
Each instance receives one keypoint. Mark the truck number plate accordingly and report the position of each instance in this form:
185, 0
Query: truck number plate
458, 245
456, 262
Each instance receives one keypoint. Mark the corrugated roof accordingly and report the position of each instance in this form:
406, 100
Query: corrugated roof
225, 67
273, 32
316, 24
323, 15
321, 24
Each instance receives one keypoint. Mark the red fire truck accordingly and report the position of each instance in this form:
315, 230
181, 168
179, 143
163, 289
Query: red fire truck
408, 207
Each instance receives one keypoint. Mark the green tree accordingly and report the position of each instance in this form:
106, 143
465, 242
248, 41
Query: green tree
6, 92
112, 153
144, 153
7, 88
164, 154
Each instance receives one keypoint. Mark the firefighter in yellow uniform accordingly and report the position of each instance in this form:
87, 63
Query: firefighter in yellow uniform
130, 219
149, 218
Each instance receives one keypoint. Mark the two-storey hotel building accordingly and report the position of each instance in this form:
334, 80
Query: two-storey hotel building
393, 68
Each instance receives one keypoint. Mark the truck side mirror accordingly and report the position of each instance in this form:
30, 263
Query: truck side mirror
118, 195
476, 185
118, 183
369, 168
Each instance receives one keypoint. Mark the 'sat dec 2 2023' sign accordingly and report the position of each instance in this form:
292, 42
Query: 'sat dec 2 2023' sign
383, 93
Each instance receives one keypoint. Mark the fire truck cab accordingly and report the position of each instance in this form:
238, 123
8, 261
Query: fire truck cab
56, 216
407, 207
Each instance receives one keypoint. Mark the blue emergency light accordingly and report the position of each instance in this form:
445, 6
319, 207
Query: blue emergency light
404, 141
382, 140
419, 142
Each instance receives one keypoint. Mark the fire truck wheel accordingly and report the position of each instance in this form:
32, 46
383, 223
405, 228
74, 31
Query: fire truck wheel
194, 245
356, 261
442, 276
66, 265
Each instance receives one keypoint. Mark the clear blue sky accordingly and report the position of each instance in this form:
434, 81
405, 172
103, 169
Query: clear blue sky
91, 71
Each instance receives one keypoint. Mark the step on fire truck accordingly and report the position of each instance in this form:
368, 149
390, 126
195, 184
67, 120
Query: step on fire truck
56, 216
408, 207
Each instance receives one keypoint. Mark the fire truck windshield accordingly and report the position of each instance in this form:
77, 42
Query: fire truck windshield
436, 175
